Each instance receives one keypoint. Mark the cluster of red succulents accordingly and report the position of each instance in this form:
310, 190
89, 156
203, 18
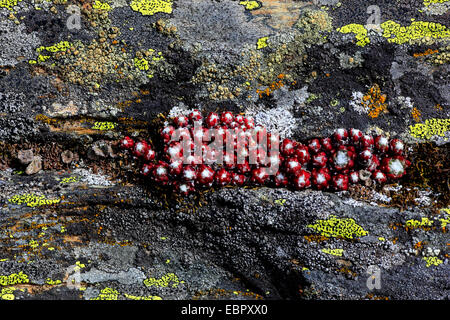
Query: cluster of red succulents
330, 163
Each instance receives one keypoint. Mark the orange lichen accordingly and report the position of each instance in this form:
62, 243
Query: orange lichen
426, 53
315, 238
416, 114
420, 244
347, 271
45, 119
272, 87
371, 296
438, 107
374, 101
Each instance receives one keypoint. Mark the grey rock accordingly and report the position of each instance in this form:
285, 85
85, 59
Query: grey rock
25, 156
67, 156
101, 149
35, 166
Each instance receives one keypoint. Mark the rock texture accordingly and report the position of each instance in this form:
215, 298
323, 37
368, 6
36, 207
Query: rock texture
79, 222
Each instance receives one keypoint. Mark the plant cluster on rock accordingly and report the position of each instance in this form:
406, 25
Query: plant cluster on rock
249, 155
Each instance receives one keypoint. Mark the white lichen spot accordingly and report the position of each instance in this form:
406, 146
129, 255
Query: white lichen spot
92, 179
356, 104
278, 120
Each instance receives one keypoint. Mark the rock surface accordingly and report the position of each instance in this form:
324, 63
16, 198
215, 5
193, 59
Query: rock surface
92, 228
25, 156
34, 166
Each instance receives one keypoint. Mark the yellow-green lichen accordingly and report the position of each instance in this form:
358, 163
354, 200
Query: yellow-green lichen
79, 266
131, 297
101, 5
251, 5
414, 224
14, 278
262, 42
141, 64
338, 227
104, 125
107, 294
333, 252
312, 97
112, 294
32, 200
432, 261
147, 60
399, 34
158, 57
334, 102
359, 31
446, 220
431, 127
150, 7
396, 33
67, 180
9, 4
52, 282
7, 293
429, 2
33, 244
165, 281
58, 47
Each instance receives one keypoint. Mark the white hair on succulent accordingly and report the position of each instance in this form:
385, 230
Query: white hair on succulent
189, 174
384, 141
342, 158
396, 166
206, 173
161, 171
184, 187
301, 179
339, 182
321, 178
